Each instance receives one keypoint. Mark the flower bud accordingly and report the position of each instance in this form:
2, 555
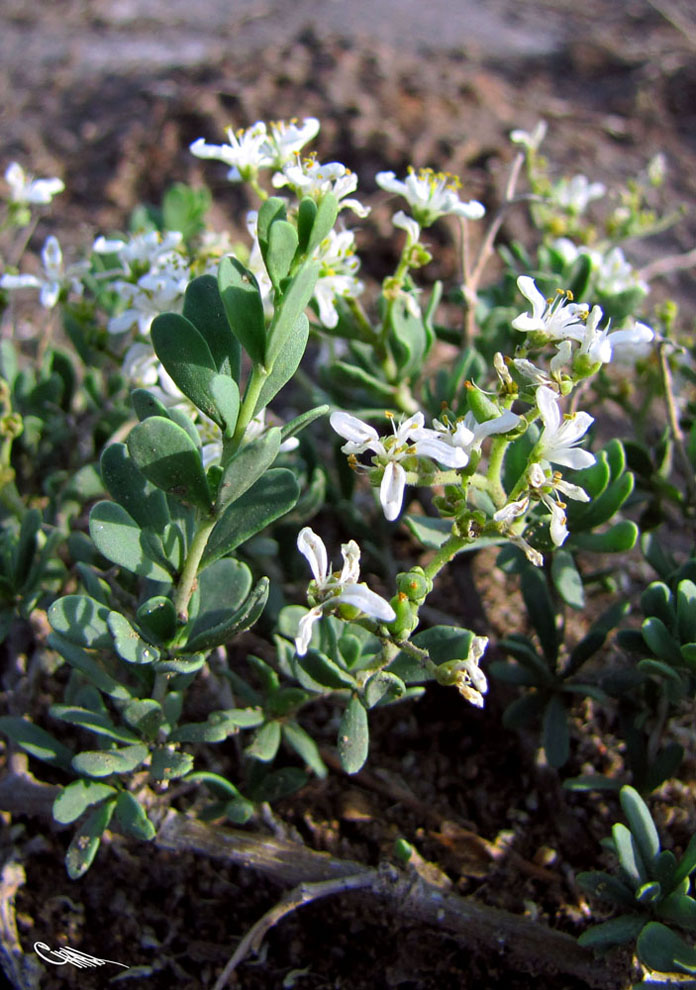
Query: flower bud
415, 584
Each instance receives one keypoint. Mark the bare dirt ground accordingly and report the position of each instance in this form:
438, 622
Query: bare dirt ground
108, 95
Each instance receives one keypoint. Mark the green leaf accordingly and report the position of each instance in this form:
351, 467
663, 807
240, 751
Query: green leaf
102, 763
593, 479
168, 764
128, 486
292, 306
657, 600
145, 715
36, 741
81, 620
119, 538
167, 457
129, 644
661, 642
272, 496
629, 855
265, 743
282, 245
146, 405
89, 666
649, 892
617, 931
540, 609
601, 508
555, 734
353, 736
301, 422
25, 547
241, 298
323, 221
219, 785
621, 537
567, 580
180, 665
132, 818
680, 909
218, 726
305, 747
349, 378
286, 363
606, 887
324, 671
523, 711
76, 797
203, 306
271, 211
410, 336
157, 616
687, 862
97, 722
686, 611
279, 784
663, 950
306, 216
383, 687
430, 531
246, 467
641, 824
205, 636
85, 843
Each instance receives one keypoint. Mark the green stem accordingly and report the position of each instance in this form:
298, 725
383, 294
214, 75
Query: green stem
449, 549
495, 467
190, 571
246, 413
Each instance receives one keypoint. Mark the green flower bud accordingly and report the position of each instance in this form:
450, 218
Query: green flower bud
406, 616
415, 584
480, 404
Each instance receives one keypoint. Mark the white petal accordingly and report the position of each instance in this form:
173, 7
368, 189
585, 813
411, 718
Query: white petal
445, 453
353, 429
304, 632
20, 282
547, 402
368, 602
312, 547
351, 563
391, 491
558, 528
527, 287
50, 293
573, 457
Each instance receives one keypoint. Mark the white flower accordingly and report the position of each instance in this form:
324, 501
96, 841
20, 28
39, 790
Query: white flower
409, 439
575, 195
143, 251
24, 188
470, 680
331, 589
337, 275
561, 435
56, 277
631, 343
531, 140
430, 195
598, 344
308, 177
160, 291
287, 138
246, 151
467, 434
615, 274
556, 319
545, 486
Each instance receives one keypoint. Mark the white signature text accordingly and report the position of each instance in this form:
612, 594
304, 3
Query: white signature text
65, 955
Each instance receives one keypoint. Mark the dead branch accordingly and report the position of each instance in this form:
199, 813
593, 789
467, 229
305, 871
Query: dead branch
528, 945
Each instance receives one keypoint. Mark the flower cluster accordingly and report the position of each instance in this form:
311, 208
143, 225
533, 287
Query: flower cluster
258, 147
430, 195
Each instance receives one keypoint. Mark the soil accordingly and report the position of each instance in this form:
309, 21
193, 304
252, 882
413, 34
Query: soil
109, 95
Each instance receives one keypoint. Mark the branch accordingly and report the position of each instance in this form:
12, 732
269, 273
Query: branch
528, 945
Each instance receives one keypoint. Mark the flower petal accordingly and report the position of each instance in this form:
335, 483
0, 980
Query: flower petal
391, 490
312, 547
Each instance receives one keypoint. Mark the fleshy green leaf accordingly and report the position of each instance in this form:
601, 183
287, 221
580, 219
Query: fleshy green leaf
168, 764
567, 579
82, 621
282, 245
641, 823
292, 306
76, 797
205, 636
353, 736
247, 466
119, 538
90, 666
305, 747
272, 496
130, 646
663, 950
132, 818
555, 734
286, 363
265, 743
203, 306
157, 616
617, 931
167, 457
102, 763
36, 741
620, 537
541, 611
241, 298
97, 722
128, 486
85, 843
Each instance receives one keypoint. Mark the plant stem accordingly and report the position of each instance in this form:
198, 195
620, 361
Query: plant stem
449, 549
246, 413
190, 571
